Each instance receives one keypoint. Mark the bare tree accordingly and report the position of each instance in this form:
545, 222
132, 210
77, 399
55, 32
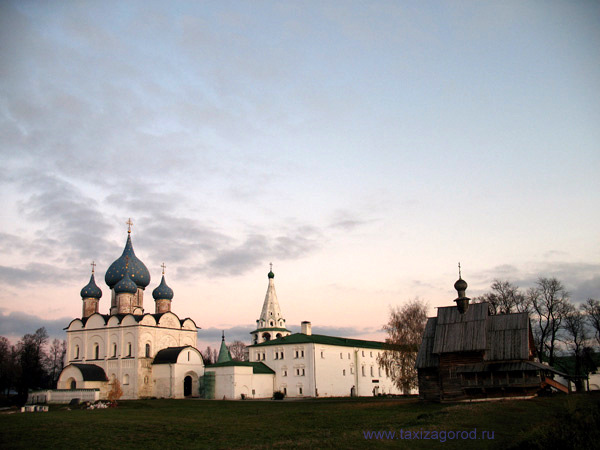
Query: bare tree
55, 358
6, 365
505, 298
405, 331
592, 312
575, 337
210, 355
238, 351
32, 359
548, 300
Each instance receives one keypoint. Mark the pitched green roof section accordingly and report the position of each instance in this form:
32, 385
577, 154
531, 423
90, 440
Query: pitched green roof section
299, 338
257, 367
224, 355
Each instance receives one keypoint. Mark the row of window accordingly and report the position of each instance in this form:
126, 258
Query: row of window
300, 390
300, 354
300, 372
96, 351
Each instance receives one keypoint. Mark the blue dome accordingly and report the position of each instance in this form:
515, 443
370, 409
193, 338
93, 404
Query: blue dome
91, 290
126, 285
162, 291
130, 263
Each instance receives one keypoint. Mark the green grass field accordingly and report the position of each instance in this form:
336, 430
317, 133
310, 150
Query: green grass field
573, 421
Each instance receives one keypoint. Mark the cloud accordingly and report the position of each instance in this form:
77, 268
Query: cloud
33, 273
237, 333
295, 242
74, 224
17, 324
580, 279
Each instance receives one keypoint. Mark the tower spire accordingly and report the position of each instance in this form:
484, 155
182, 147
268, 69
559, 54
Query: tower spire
271, 324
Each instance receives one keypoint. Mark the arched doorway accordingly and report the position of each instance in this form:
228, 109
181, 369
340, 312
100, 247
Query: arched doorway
187, 386
72, 383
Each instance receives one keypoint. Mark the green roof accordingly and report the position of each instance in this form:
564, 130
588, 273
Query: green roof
269, 329
257, 367
224, 354
299, 338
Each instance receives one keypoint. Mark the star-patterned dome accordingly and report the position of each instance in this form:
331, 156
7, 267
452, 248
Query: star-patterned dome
126, 285
163, 292
128, 263
91, 290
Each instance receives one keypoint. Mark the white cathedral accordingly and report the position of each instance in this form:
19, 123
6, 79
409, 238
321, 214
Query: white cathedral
156, 355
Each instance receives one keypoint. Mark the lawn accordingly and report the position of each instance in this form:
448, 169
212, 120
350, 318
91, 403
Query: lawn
538, 423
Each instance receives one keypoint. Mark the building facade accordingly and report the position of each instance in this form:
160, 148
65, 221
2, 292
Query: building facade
467, 354
154, 354
149, 354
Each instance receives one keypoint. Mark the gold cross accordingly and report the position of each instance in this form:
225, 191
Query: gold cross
163, 267
129, 224
93, 266
271, 267
459, 274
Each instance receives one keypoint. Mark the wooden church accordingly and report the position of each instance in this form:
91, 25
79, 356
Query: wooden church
468, 354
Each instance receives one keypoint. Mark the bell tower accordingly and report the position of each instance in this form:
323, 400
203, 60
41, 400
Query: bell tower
271, 324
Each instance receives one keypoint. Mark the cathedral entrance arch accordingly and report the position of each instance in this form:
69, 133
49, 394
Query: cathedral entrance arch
187, 386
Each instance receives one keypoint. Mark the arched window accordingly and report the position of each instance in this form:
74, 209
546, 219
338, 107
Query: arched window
372, 371
73, 384
147, 350
77, 352
126, 379
129, 349
96, 351
115, 350
278, 335
267, 336
363, 371
271, 323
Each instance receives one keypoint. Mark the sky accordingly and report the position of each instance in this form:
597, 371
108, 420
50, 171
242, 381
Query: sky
362, 147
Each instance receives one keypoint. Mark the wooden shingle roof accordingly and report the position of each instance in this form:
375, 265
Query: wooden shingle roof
456, 332
426, 357
503, 337
507, 337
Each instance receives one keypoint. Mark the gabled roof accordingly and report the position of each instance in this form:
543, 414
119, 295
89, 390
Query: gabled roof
426, 357
502, 337
299, 338
507, 337
169, 355
91, 372
456, 332
257, 367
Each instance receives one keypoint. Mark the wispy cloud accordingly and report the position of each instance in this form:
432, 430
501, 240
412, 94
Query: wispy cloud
17, 324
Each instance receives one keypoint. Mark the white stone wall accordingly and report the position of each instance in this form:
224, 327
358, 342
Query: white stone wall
168, 379
133, 370
310, 370
233, 381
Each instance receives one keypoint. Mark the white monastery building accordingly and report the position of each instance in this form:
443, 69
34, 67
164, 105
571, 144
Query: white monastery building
155, 354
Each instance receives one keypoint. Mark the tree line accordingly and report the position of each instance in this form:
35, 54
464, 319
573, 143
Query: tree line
557, 323
33, 363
